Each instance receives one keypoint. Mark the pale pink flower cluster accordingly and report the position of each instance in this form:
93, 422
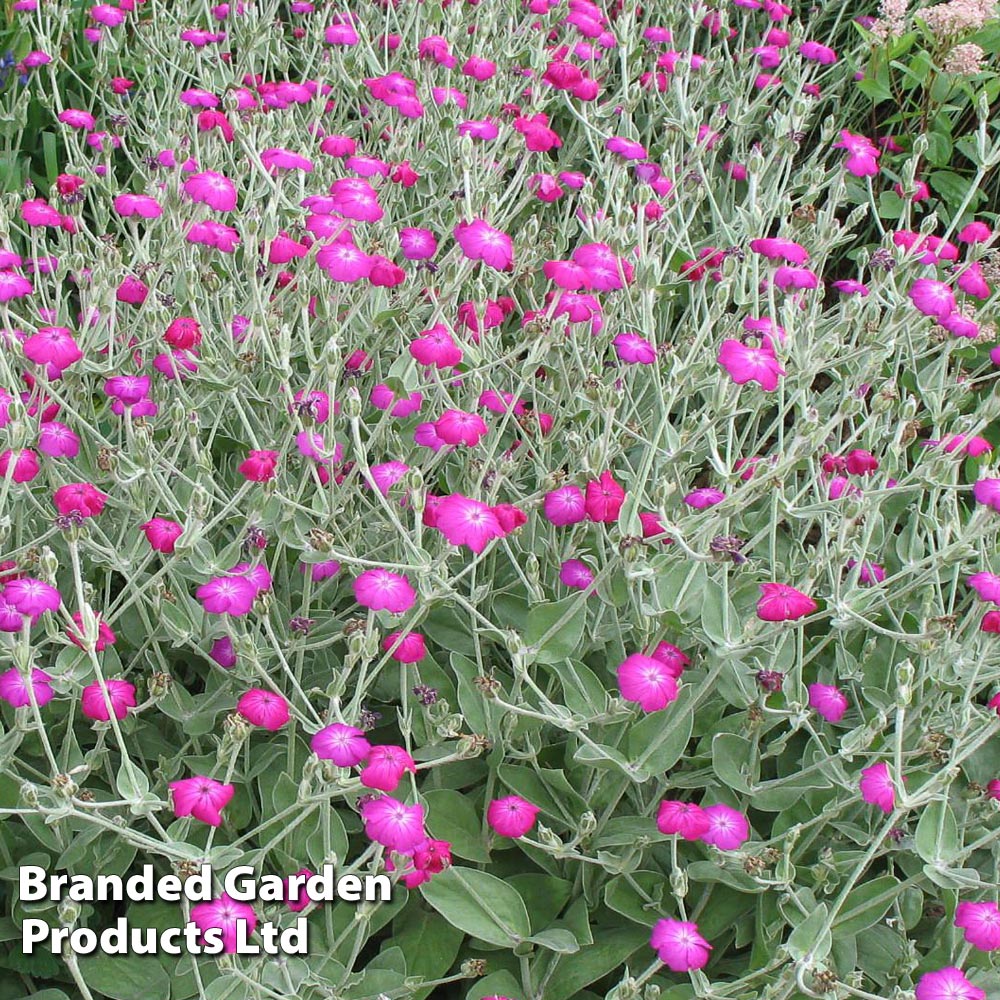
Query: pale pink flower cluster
891, 22
964, 60
956, 17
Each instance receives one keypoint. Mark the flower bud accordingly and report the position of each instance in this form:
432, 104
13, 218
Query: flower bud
679, 883
69, 912
352, 403
48, 564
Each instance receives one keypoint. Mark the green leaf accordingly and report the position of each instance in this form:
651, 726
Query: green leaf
429, 943
730, 761
126, 977
496, 984
805, 939
655, 745
612, 946
555, 630
451, 816
132, 782
479, 904
937, 838
556, 939
867, 904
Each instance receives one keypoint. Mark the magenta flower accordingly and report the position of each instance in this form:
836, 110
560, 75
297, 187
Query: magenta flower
264, 708
948, 983
981, 923
986, 585
633, 349
380, 590
52, 345
417, 244
565, 506
121, 697
987, 491
227, 595
411, 649
385, 768
480, 241
212, 189
202, 798
828, 700
436, 347
751, 364
79, 498
576, 574
460, 427
648, 681
780, 249
13, 286
728, 828
162, 534
683, 818
932, 298
627, 149
877, 787
16, 690
464, 521
704, 498
344, 262
862, 154
781, 603
21, 466
511, 816
225, 914
344, 745
604, 499
394, 825
31, 597
679, 945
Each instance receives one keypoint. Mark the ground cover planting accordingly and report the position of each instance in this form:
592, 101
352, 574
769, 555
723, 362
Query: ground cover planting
499, 500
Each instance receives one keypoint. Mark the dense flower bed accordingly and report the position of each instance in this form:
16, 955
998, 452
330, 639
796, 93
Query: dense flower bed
540, 451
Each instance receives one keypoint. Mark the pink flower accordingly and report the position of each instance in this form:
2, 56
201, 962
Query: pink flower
828, 700
948, 983
672, 658
975, 232
52, 345
436, 347
105, 636
604, 499
394, 825
648, 681
728, 828
227, 915
480, 241
986, 585
780, 249
417, 244
297, 898
380, 590
202, 798
258, 466
161, 534
877, 788
16, 691
575, 574
227, 595
31, 597
751, 364
344, 745
981, 923
564, 506
411, 648
80, 498
13, 286
22, 466
781, 603
704, 498
57, 440
263, 708
121, 697
932, 298
460, 427
862, 159
633, 349
679, 945
987, 491
684, 818
627, 149
344, 262
385, 767
511, 816
464, 521
795, 278
212, 189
